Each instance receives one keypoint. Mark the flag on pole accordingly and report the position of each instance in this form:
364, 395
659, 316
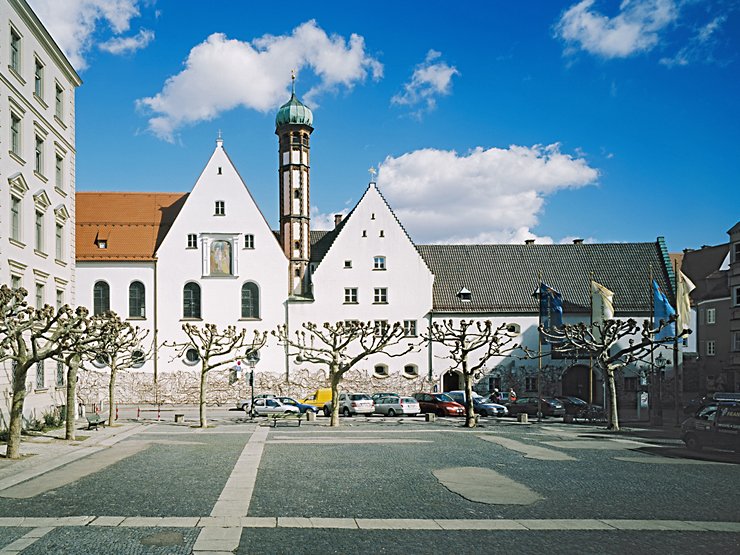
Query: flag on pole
683, 302
551, 307
602, 307
662, 310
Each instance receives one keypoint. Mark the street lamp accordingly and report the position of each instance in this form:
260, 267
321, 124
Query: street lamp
252, 360
658, 368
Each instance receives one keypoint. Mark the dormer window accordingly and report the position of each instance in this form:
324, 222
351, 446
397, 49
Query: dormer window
220, 208
465, 295
102, 243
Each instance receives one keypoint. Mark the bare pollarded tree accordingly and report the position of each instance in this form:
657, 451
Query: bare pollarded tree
612, 344
340, 346
471, 344
29, 336
216, 349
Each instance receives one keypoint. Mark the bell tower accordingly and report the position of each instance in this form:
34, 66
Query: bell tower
293, 128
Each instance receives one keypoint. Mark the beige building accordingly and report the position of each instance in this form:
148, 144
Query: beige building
37, 179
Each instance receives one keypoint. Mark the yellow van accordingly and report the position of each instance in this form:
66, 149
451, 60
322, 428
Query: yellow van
319, 398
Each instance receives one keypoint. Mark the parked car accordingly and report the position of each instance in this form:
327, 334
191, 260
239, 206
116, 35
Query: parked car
352, 403
394, 405
377, 396
302, 407
319, 398
579, 408
267, 406
440, 404
717, 424
481, 405
693, 406
243, 404
550, 406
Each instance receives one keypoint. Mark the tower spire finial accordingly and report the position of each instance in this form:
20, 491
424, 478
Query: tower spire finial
372, 171
292, 81
219, 138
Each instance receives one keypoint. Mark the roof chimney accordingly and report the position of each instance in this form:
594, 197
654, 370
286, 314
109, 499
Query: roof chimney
529, 242
577, 241
337, 219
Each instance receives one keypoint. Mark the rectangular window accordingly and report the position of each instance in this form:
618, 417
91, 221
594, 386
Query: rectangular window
38, 79
39, 245
15, 50
60, 298
220, 208
736, 341
39, 156
249, 241
59, 101
710, 348
737, 252
350, 295
380, 295
409, 328
379, 263
711, 316
60, 373
15, 282
59, 242
40, 375
39, 295
15, 134
736, 296
192, 241
381, 327
59, 171
347, 263
15, 218
630, 384
530, 384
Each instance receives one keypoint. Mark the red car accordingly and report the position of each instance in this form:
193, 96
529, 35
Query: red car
440, 404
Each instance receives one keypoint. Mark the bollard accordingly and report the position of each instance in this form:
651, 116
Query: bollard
116, 411
138, 412
523, 418
179, 417
310, 416
430, 417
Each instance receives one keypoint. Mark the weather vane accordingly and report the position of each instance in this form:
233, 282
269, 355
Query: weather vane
372, 171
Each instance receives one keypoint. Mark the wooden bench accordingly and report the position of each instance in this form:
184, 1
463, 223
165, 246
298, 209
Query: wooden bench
287, 417
94, 420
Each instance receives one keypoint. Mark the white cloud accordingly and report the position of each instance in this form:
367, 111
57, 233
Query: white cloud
73, 23
699, 47
325, 222
221, 74
486, 195
430, 80
636, 28
125, 45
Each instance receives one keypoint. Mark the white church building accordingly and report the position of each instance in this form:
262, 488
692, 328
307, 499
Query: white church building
210, 256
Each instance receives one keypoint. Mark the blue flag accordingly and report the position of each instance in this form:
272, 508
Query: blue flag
551, 307
662, 311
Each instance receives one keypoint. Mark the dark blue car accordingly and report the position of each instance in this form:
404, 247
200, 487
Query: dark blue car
301, 406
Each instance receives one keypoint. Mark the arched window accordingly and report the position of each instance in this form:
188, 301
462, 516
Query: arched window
250, 300
101, 298
191, 300
136, 308
380, 371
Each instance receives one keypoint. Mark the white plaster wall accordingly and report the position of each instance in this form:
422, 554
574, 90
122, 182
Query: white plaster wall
265, 265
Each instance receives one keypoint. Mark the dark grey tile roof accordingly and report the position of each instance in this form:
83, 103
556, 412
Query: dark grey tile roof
702, 266
502, 278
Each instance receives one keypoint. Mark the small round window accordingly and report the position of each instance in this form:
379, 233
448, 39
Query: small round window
191, 356
100, 361
137, 359
410, 371
380, 371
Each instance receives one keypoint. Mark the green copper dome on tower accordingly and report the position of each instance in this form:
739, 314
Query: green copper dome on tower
294, 111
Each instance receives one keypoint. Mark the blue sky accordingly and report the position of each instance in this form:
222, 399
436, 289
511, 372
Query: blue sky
492, 121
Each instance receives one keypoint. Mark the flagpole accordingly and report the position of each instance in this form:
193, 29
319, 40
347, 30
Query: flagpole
590, 355
653, 377
676, 385
539, 357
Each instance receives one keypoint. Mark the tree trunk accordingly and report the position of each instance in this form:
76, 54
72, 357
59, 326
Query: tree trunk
203, 380
112, 394
16, 412
613, 414
74, 364
469, 406
335, 379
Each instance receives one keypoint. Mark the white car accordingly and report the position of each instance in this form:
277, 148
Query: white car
393, 406
243, 404
352, 403
266, 407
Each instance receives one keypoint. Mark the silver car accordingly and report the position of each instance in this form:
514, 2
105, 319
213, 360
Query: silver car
272, 406
352, 403
392, 406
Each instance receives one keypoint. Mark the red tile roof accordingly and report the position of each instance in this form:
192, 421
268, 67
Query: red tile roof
132, 224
